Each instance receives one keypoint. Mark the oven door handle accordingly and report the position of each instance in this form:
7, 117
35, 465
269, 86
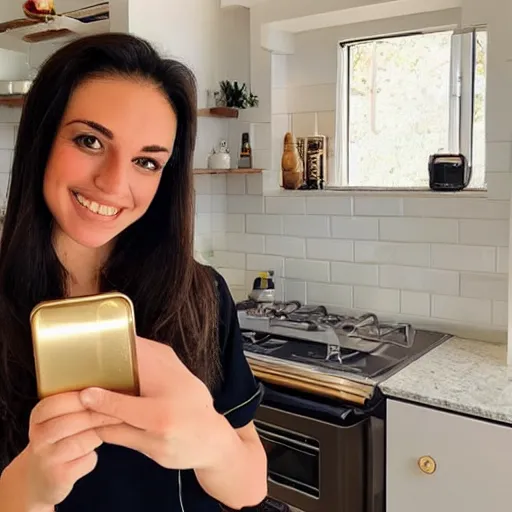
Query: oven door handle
271, 437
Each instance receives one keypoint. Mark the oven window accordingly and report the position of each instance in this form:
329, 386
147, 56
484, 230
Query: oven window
293, 459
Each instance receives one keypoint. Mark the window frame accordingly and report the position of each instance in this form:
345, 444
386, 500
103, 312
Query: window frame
462, 89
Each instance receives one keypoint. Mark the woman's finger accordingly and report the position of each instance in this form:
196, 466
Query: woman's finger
61, 427
74, 447
129, 437
57, 405
140, 412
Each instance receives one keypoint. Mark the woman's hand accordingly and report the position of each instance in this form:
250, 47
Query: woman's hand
171, 422
61, 450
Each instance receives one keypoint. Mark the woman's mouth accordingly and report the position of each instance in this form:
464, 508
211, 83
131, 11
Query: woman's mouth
97, 208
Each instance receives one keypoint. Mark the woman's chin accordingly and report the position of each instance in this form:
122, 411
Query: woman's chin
89, 239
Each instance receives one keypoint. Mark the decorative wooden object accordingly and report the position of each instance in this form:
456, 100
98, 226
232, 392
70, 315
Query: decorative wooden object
291, 164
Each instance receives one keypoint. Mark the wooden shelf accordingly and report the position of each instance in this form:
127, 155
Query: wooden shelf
12, 101
14, 34
225, 112
228, 171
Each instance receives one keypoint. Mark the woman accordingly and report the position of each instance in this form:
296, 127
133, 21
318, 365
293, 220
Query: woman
101, 199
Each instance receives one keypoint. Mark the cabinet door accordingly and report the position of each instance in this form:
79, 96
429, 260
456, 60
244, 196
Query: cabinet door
472, 462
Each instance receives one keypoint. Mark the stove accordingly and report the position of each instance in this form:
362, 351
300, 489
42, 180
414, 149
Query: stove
322, 417
339, 356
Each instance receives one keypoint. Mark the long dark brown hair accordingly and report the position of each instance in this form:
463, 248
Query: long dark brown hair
152, 261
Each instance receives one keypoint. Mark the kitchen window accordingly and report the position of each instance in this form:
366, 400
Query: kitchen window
402, 98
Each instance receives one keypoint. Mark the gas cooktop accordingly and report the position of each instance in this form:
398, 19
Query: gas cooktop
307, 347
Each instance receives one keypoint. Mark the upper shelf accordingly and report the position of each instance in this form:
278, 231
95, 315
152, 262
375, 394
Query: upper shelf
15, 34
220, 112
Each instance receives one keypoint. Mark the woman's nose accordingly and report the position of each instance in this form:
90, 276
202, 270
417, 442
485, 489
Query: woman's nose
112, 177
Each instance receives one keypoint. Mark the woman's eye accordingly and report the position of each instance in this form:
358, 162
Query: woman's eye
89, 142
148, 164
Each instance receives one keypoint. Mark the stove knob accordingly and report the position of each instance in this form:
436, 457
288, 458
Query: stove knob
427, 465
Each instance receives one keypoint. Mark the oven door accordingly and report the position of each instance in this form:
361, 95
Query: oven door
316, 465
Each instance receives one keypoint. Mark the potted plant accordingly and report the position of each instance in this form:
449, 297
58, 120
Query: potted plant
234, 95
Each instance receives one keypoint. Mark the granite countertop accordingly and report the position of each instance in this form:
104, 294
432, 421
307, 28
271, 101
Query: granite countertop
467, 376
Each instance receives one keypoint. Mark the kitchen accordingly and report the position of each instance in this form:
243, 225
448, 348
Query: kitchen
435, 261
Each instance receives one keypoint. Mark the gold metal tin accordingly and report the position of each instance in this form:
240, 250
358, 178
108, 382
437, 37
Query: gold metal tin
83, 342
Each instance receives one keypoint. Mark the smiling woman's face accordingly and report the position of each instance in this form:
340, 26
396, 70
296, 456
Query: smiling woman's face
107, 159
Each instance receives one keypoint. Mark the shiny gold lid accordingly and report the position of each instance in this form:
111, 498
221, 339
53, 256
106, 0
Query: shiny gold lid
85, 341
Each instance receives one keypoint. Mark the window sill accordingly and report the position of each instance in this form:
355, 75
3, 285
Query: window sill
391, 192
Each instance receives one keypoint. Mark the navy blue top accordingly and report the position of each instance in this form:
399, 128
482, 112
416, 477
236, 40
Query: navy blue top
125, 480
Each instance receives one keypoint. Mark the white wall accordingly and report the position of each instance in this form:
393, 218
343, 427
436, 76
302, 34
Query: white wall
435, 260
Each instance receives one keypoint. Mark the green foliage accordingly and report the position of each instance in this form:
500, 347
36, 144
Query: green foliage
234, 95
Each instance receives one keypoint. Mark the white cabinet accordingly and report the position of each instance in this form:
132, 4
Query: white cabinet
466, 464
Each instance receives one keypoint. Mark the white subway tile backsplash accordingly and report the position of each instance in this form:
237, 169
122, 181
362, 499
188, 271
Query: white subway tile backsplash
354, 273
264, 224
312, 98
329, 249
242, 242
262, 262
329, 205
484, 286
498, 156
419, 279
377, 299
228, 259
260, 136
235, 184
499, 313
307, 269
330, 294
5, 160
303, 124
219, 204
7, 133
419, 230
235, 223
254, 184
378, 206
203, 184
306, 225
456, 208
219, 222
327, 124
203, 224
461, 309
203, 204
291, 205
285, 246
502, 267
464, 257
295, 290
393, 253
234, 277
415, 303
219, 184
355, 228
484, 232
245, 204
262, 159
498, 185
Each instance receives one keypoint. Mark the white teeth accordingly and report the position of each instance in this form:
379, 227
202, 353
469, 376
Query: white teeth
100, 209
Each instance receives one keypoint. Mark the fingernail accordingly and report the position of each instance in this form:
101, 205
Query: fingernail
89, 396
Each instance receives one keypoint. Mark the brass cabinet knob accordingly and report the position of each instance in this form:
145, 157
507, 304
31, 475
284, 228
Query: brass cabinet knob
427, 464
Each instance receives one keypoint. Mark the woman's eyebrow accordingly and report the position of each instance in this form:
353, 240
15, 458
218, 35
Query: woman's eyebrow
154, 148
95, 126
